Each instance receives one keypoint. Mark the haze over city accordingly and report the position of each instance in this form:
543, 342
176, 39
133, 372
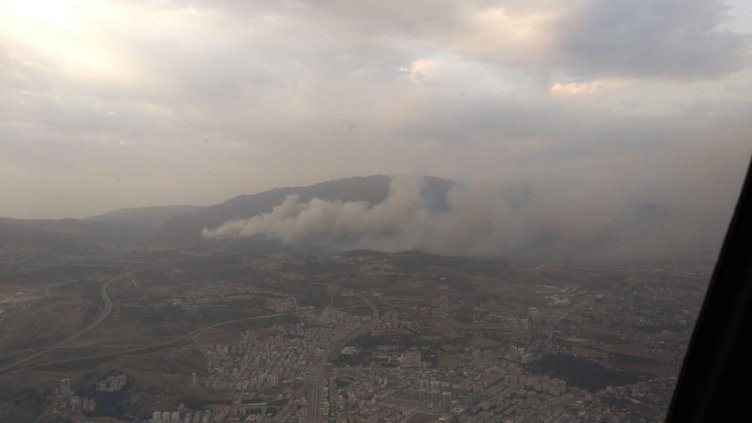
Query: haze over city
222, 211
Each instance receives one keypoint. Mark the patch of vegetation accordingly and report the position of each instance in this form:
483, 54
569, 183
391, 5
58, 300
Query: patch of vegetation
344, 382
428, 349
193, 402
359, 359
580, 372
30, 401
629, 359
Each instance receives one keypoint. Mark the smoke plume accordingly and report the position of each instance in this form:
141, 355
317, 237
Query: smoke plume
518, 222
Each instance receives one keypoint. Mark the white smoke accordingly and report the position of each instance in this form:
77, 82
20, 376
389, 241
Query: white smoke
515, 222
349, 224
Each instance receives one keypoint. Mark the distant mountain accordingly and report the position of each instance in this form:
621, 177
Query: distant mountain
181, 226
66, 235
147, 217
185, 230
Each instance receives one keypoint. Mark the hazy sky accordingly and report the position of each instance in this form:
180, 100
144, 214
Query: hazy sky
105, 105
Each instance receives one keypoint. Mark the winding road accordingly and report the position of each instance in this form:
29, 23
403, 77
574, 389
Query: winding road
88, 328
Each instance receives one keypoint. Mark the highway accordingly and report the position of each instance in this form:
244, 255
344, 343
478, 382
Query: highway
88, 328
562, 317
314, 411
151, 347
316, 375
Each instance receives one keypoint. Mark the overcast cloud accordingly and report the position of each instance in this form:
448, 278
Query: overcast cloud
106, 105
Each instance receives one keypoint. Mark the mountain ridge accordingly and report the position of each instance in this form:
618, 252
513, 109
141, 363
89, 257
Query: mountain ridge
181, 225
148, 217
373, 189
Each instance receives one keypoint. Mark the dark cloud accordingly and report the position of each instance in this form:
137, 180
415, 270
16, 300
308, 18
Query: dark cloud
585, 38
664, 38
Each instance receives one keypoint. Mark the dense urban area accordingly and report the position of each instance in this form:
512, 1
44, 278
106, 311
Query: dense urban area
185, 335
338, 211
